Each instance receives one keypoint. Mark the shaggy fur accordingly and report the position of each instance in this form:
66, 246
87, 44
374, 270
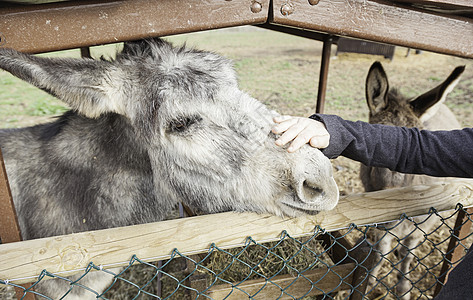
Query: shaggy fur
426, 111
153, 127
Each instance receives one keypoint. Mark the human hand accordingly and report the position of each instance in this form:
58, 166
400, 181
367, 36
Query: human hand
300, 131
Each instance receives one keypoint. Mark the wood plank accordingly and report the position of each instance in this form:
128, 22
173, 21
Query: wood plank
156, 241
66, 25
9, 227
380, 21
453, 4
455, 251
312, 283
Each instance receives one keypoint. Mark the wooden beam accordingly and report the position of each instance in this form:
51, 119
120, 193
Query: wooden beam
9, 227
455, 251
314, 282
301, 32
452, 4
380, 21
75, 24
156, 241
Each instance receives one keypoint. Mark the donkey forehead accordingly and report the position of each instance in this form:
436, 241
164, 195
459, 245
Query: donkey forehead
186, 79
178, 82
224, 101
184, 67
227, 107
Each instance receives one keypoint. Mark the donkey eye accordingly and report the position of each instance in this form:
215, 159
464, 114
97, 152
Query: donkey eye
183, 123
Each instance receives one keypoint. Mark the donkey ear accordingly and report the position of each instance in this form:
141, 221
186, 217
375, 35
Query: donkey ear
86, 85
377, 88
424, 102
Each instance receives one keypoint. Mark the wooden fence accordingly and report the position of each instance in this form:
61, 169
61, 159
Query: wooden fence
22, 262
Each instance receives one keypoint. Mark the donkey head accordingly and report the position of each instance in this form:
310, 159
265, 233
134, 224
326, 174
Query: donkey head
209, 144
387, 106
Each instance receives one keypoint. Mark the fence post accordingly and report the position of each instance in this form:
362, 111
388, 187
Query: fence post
323, 76
454, 252
9, 228
85, 52
360, 254
365, 259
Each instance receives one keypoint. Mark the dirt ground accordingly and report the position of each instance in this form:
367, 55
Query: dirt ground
282, 71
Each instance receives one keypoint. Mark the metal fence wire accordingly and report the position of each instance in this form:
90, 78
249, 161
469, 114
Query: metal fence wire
402, 259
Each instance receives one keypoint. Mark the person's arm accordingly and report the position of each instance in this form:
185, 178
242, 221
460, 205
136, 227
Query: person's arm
406, 150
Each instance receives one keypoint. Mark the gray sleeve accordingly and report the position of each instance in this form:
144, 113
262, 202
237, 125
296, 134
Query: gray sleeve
406, 150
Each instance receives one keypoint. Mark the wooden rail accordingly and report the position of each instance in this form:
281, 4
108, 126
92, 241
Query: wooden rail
328, 280
381, 21
73, 24
9, 227
22, 261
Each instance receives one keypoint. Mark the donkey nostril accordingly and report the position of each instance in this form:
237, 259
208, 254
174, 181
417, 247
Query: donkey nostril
310, 191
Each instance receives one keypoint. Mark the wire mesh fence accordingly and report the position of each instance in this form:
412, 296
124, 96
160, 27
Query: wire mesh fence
405, 259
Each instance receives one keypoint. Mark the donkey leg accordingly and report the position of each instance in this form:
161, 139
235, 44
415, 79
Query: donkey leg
404, 286
382, 247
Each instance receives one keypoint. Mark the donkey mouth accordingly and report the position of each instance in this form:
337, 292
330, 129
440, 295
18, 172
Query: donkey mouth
296, 206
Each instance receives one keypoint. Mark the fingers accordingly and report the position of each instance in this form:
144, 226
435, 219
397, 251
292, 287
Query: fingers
300, 131
300, 140
320, 142
280, 119
292, 133
284, 123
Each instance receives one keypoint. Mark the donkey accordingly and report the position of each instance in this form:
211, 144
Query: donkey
427, 111
156, 125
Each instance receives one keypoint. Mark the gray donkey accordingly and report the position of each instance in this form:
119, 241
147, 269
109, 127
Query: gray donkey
157, 125
427, 111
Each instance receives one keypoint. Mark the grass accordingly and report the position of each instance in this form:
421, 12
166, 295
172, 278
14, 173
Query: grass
18, 100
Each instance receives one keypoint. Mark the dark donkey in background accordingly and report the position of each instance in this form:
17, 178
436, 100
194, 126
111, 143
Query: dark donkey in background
427, 111
153, 127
